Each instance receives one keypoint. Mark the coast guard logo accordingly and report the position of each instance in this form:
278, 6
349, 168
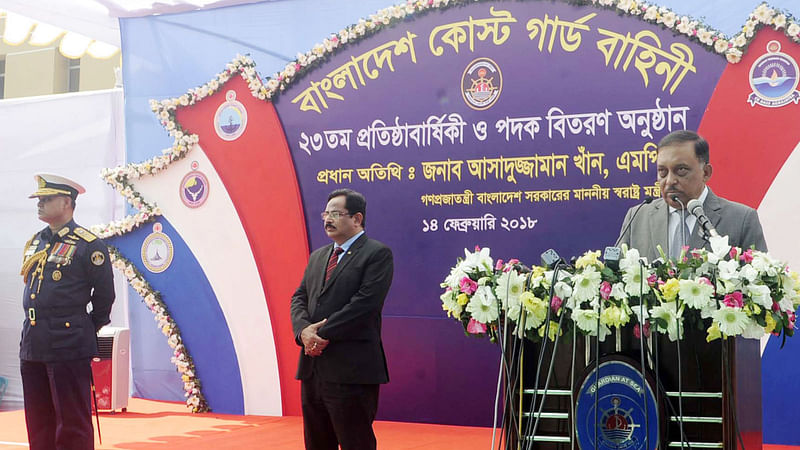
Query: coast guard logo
194, 187
773, 78
157, 250
481, 83
230, 120
620, 422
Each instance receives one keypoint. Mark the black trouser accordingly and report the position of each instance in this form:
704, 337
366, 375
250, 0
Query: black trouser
338, 414
58, 409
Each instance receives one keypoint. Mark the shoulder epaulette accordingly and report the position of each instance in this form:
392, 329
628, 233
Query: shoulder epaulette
86, 235
27, 244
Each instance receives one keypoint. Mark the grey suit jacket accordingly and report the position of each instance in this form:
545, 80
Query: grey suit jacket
649, 228
352, 301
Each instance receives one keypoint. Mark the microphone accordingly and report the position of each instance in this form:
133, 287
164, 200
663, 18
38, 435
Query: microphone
551, 259
696, 209
646, 201
611, 256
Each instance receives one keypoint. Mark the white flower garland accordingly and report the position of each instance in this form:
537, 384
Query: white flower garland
120, 177
180, 356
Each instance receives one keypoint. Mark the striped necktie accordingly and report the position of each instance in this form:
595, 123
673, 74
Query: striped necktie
334, 259
681, 232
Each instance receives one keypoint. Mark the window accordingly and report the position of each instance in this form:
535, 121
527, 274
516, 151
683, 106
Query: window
73, 74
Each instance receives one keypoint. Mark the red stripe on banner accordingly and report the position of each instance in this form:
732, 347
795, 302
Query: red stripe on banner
749, 144
259, 175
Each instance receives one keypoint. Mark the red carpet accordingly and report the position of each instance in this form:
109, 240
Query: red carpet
161, 425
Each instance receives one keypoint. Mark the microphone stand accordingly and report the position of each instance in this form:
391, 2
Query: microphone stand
678, 342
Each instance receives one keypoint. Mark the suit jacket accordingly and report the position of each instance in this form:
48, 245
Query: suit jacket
649, 228
63, 272
352, 301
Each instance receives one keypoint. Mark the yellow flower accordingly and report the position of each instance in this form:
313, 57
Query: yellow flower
590, 258
614, 316
771, 323
551, 332
752, 309
671, 289
713, 332
537, 271
462, 299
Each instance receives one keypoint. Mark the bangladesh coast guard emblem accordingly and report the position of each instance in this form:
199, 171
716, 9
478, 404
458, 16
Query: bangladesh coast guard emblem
194, 187
157, 250
619, 415
230, 119
481, 84
773, 78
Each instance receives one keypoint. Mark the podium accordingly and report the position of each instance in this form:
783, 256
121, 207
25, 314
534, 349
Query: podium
711, 399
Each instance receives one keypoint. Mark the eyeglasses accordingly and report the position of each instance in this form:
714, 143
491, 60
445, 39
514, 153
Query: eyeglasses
334, 215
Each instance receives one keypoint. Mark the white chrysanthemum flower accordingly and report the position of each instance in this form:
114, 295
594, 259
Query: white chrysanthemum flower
586, 320
731, 321
705, 36
509, 286
779, 21
793, 30
696, 294
651, 13
740, 40
454, 278
733, 55
586, 285
483, 305
669, 313
720, 45
685, 26
668, 19
626, 5
635, 281
764, 13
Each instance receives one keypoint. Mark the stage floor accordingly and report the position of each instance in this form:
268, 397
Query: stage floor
155, 425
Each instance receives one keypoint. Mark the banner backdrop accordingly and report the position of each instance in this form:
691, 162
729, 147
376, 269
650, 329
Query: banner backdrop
518, 126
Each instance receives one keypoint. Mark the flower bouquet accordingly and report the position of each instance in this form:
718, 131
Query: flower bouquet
726, 291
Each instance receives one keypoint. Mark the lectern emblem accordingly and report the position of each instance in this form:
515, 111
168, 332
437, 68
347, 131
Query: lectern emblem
613, 416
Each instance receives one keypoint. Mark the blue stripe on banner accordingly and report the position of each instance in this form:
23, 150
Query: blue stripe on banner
194, 307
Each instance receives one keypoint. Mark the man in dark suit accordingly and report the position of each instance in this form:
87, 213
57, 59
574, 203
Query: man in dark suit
65, 268
683, 170
336, 317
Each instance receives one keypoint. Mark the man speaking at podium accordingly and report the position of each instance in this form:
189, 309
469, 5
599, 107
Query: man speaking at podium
683, 170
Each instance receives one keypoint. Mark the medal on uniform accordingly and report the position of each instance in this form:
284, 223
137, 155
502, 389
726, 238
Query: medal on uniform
56, 275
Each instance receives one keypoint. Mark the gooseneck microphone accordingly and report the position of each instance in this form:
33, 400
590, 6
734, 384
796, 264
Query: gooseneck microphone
696, 209
646, 200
